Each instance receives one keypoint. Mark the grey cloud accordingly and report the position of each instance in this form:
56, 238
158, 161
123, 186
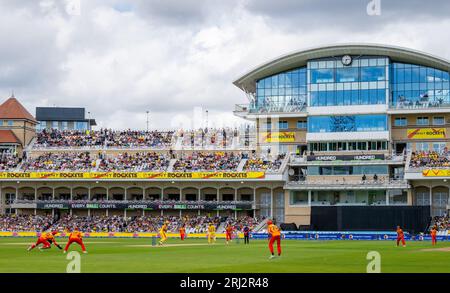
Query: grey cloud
301, 15
184, 13
120, 58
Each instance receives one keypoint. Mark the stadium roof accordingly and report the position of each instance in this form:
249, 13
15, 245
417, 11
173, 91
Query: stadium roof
7, 136
13, 109
247, 82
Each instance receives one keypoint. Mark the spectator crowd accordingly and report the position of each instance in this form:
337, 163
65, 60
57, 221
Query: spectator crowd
212, 138
442, 222
8, 161
53, 138
264, 163
145, 161
193, 224
423, 159
207, 161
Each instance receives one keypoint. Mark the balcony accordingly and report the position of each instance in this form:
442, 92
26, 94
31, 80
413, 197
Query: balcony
134, 204
269, 108
347, 185
342, 159
420, 105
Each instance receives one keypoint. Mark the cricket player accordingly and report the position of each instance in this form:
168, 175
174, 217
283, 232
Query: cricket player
76, 237
46, 239
400, 236
433, 235
228, 233
163, 233
183, 232
211, 233
275, 235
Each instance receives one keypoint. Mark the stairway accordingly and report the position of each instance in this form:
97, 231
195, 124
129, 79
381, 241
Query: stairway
241, 165
171, 163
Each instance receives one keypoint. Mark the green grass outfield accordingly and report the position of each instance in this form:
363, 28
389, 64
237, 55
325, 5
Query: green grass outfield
115, 255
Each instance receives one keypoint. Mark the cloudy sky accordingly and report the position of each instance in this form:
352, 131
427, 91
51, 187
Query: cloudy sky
177, 59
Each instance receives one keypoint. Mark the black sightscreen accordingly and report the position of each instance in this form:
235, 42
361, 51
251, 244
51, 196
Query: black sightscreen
413, 219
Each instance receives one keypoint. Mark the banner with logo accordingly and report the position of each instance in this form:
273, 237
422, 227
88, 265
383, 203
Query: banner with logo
345, 158
436, 173
145, 206
113, 235
284, 136
131, 175
426, 133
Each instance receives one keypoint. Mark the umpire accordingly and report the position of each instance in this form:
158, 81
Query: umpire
246, 235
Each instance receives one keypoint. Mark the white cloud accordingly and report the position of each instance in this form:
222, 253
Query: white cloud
121, 58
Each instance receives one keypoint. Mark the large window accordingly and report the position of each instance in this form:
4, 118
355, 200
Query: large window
348, 97
364, 82
347, 146
400, 121
283, 92
416, 86
438, 120
298, 198
79, 125
322, 75
348, 170
283, 125
356, 123
422, 121
301, 124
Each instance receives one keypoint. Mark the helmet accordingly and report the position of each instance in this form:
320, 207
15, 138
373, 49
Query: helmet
54, 232
269, 222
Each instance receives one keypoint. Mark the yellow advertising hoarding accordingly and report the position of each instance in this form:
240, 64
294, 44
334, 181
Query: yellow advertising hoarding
284, 136
436, 173
131, 175
426, 133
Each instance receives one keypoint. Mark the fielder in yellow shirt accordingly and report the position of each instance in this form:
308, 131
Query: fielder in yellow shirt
211, 233
163, 233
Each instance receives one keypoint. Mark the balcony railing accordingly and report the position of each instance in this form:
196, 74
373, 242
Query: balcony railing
166, 201
303, 159
347, 184
271, 108
420, 104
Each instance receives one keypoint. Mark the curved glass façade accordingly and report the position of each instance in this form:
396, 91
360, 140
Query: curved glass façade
414, 86
348, 123
362, 82
283, 92
368, 80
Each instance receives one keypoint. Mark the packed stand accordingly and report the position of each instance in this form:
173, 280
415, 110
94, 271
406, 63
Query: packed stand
54, 138
264, 163
137, 162
208, 161
429, 159
8, 161
207, 137
59, 162
239, 224
195, 224
442, 222
15, 223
